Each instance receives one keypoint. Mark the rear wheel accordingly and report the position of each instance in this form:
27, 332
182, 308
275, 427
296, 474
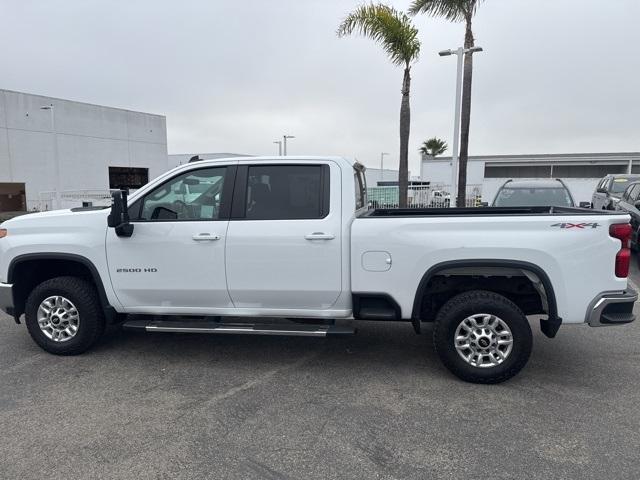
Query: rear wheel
482, 337
64, 315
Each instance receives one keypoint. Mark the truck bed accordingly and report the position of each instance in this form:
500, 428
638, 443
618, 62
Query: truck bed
485, 212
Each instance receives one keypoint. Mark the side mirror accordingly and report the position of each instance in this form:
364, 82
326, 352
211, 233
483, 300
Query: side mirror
601, 190
585, 204
637, 204
119, 216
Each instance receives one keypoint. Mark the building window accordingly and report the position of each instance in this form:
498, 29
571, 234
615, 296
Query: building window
12, 197
555, 171
128, 178
524, 171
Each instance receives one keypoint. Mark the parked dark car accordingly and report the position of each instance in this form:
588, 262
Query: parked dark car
533, 193
630, 203
610, 189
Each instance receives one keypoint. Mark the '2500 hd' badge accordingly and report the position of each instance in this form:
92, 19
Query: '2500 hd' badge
576, 225
136, 270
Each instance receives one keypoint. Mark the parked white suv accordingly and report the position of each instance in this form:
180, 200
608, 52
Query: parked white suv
291, 238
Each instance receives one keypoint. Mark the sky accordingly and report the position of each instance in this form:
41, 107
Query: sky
556, 76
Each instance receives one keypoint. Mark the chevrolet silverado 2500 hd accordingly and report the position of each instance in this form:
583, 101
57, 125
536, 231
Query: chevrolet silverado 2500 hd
292, 239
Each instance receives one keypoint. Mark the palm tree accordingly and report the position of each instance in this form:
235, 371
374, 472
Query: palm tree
398, 37
457, 11
433, 147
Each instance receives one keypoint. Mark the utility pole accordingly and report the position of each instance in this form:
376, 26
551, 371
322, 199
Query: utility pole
56, 160
284, 138
382, 154
455, 153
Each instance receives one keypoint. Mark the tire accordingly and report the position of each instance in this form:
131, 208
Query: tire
78, 293
478, 307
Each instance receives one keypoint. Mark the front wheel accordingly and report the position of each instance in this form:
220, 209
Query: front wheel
482, 337
64, 315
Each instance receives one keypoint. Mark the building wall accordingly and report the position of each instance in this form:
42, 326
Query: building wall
89, 139
439, 172
375, 175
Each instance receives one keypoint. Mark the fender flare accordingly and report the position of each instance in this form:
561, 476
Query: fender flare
109, 312
539, 272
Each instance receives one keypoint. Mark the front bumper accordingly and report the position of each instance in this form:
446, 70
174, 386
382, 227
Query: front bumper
6, 298
612, 308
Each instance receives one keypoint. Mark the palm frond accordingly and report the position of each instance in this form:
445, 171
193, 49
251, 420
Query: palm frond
434, 147
452, 10
387, 26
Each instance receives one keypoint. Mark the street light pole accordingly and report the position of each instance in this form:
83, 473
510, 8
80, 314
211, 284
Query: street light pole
460, 52
382, 154
56, 161
279, 142
285, 137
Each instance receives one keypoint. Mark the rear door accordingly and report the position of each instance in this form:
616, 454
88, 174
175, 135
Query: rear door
284, 237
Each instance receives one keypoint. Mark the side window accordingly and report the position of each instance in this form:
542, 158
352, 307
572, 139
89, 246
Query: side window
361, 190
627, 193
287, 192
194, 195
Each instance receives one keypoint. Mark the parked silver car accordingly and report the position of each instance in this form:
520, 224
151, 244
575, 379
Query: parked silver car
610, 189
533, 193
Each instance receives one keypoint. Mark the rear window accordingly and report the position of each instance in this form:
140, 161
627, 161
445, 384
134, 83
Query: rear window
287, 192
533, 197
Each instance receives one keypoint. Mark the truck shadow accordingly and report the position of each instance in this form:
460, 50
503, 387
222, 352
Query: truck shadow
378, 347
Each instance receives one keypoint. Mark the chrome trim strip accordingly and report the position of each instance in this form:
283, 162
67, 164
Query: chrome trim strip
598, 304
250, 330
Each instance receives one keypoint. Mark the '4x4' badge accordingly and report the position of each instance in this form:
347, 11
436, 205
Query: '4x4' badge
576, 225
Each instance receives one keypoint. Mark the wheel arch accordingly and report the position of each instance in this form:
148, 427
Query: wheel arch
549, 326
40, 267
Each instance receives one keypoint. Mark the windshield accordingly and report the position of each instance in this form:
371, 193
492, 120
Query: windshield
619, 185
533, 197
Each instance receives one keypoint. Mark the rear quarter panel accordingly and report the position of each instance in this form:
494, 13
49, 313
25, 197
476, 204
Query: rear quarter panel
576, 252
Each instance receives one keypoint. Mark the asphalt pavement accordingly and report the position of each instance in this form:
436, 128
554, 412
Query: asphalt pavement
376, 405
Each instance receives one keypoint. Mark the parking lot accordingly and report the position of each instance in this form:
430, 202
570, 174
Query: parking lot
377, 405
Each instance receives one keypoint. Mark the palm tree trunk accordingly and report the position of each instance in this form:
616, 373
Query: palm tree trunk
466, 115
405, 125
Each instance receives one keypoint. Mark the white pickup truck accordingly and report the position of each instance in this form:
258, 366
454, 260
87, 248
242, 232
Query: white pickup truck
289, 242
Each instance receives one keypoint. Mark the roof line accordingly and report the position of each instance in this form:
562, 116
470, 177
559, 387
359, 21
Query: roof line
545, 155
83, 103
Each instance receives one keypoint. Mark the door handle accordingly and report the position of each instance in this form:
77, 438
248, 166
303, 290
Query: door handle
206, 237
319, 236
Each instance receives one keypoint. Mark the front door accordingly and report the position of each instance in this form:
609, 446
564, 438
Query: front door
284, 247
174, 261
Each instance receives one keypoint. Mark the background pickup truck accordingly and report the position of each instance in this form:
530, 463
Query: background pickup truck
291, 239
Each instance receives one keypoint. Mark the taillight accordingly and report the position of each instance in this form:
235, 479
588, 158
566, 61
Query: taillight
622, 231
3, 232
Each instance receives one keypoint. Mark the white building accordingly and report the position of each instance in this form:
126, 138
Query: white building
580, 171
375, 175
73, 146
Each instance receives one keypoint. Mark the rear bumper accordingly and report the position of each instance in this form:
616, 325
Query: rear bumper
6, 298
612, 308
